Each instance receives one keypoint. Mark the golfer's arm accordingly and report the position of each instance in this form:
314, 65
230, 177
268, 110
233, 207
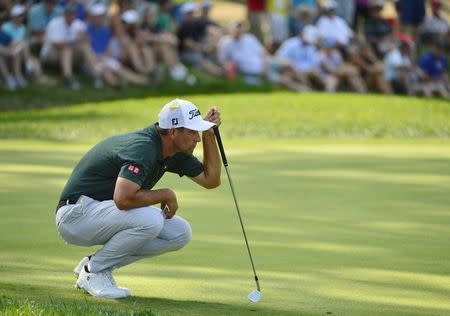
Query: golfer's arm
128, 195
210, 177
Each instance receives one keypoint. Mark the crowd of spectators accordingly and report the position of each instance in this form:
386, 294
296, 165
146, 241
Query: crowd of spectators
302, 45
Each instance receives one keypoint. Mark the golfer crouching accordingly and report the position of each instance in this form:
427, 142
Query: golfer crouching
109, 198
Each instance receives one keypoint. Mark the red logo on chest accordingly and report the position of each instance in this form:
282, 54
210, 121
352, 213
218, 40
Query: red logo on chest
133, 169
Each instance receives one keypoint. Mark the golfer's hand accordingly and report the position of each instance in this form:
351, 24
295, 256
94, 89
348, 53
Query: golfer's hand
213, 116
170, 205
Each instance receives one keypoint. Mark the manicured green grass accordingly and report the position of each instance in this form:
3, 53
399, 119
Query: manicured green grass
345, 201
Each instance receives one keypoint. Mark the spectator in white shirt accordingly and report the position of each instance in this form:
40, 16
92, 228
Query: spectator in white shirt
65, 40
302, 54
435, 25
399, 69
333, 27
246, 54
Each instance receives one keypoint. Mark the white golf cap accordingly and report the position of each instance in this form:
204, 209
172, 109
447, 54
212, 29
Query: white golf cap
181, 113
188, 7
17, 10
97, 9
330, 4
310, 34
130, 16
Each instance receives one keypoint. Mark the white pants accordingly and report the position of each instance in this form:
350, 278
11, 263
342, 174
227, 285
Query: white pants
126, 236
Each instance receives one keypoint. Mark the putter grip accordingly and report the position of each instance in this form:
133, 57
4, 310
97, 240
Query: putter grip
219, 142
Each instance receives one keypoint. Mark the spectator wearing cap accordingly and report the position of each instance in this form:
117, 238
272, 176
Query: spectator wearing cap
191, 43
39, 15
337, 71
256, 14
137, 53
164, 43
435, 26
250, 58
108, 67
434, 71
16, 29
411, 14
332, 27
362, 56
377, 30
278, 14
303, 15
301, 52
65, 43
399, 69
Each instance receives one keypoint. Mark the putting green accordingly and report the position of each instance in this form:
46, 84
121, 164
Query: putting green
348, 228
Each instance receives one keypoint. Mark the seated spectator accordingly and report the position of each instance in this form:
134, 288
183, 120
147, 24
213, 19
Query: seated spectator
65, 42
193, 50
163, 42
138, 54
39, 15
378, 32
244, 53
16, 29
166, 21
301, 52
435, 25
399, 69
7, 52
212, 32
370, 68
111, 70
434, 71
303, 15
337, 71
332, 27
411, 14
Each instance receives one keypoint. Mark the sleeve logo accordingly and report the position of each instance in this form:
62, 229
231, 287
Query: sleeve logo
133, 169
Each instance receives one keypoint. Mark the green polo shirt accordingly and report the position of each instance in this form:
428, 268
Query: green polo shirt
136, 156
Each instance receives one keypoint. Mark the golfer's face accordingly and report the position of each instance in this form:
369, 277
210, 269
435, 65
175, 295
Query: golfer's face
186, 140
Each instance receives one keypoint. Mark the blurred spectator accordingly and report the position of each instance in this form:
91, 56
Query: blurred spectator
435, 25
303, 55
7, 52
378, 32
256, 10
361, 14
211, 32
138, 53
411, 14
111, 70
244, 52
346, 9
278, 14
79, 5
399, 69
191, 42
163, 42
370, 68
303, 15
332, 27
65, 43
337, 71
16, 29
5, 7
39, 15
165, 19
434, 71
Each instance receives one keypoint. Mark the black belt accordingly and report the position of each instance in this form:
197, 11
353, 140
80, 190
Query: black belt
64, 202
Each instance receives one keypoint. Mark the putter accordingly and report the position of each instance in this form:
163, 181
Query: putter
255, 295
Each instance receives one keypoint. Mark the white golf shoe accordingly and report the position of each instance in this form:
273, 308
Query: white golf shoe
100, 284
80, 266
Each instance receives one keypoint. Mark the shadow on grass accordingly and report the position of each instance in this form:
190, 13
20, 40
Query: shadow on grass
48, 300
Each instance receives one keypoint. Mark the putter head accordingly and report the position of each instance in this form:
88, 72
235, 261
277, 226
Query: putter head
254, 296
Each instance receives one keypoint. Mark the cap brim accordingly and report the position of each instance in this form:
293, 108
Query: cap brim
200, 125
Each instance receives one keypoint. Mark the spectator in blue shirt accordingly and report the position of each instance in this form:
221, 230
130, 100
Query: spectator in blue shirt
434, 71
39, 16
